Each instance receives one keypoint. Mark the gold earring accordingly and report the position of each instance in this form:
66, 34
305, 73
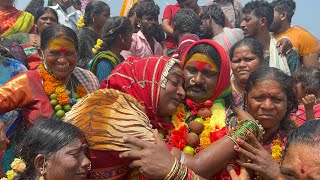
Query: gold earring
41, 177
42, 173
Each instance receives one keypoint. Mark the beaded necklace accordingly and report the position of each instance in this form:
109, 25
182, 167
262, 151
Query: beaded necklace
58, 93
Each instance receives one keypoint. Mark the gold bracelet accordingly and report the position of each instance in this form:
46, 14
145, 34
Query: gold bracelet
232, 140
173, 170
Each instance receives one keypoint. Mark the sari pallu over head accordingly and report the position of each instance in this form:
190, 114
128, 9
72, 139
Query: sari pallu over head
143, 78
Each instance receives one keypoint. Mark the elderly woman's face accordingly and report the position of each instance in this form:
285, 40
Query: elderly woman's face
60, 57
243, 63
173, 94
45, 20
301, 162
70, 162
267, 102
201, 76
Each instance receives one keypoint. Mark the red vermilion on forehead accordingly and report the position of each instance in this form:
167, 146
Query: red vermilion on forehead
201, 65
63, 49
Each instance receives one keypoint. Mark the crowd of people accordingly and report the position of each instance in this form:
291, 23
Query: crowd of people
221, 91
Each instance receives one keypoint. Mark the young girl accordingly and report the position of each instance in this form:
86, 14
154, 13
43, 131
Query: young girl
308, 93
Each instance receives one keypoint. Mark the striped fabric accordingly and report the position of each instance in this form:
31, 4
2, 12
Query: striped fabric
87, 79
106, 116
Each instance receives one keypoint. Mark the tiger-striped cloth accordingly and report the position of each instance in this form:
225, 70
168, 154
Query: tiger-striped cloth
107, 115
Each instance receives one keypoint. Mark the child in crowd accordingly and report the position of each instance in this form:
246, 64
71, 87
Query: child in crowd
308, 93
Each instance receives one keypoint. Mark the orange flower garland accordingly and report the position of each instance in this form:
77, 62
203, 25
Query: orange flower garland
58, 93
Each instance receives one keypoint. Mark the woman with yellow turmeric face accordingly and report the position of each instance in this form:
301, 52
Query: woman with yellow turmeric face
50, 90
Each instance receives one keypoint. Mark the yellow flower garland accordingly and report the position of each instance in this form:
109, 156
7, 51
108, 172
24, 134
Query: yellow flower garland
215, 123
276, 150
18, 166
80, 22
97, 47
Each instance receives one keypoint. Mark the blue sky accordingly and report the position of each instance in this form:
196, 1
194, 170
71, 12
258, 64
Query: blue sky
307, 13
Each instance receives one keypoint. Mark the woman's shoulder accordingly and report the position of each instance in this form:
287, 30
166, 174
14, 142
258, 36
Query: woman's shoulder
87, 79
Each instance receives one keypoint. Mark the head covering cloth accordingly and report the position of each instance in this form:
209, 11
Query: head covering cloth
143, 79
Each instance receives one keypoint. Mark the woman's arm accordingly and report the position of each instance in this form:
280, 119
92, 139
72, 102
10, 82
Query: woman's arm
16, 93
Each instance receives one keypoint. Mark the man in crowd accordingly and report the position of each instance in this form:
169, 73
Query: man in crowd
303, 42
167, 20
185, 30
232, 10
213, 26
258, 17
68, 16
143, 42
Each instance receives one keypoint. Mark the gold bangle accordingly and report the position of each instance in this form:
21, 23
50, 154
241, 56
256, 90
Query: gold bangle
232, 140
173, 170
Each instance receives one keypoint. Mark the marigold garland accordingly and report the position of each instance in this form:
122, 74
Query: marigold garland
276, 150
216, 123
53, 86
81, 91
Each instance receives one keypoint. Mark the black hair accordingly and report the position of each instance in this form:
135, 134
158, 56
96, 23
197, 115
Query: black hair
76, 2
113, 28
55, 31
261, 9
206, 49
287, 84
43, 10
33, 6
309, 77
288, 6
93, 7
181, 1
132, 10
186, 21
46, 137
307, 134
255, 46
148, 9
215, 12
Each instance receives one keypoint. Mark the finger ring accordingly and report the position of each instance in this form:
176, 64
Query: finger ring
249, 161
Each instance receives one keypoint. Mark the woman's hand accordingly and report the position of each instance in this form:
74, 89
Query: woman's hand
258, 159
154, 160
4, 141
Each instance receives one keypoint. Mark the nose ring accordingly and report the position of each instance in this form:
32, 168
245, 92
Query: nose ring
192, 81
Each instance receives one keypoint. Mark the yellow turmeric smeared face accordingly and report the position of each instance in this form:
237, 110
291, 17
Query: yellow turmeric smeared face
202, 62
60, 56
201, 77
